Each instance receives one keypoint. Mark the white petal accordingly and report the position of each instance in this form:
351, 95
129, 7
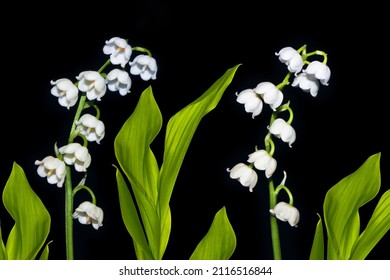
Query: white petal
271, 168
277, 126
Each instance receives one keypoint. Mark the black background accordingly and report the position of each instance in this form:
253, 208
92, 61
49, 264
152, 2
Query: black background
194, 44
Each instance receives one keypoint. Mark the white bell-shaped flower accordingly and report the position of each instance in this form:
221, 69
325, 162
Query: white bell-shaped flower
93, 84
88, 213
263, 161
319, 71
52, 168
270, 94
307, 83
291, 58
286, 213
244, 174
77, 155
66, 92
145, 66
119, 80
92, 128
252, 101
281, 129
119, 51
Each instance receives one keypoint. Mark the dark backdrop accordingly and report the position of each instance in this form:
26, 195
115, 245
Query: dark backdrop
194, 45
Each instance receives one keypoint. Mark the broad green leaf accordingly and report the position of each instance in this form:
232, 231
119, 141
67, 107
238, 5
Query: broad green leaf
317, 249
376, 228
132, 149
132, 145
150, 221
130, 217
342, 203
32, 220
180, 130
136, 159
220, 241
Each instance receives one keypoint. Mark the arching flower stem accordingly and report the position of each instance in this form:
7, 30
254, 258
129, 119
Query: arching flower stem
81, 187
104, 66
269, 144
290, 196
141, 49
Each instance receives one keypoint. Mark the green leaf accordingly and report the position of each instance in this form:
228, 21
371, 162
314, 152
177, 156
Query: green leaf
136, 159
132, 145
317, 249
166, 224
180, 130
3, 252
376, 228
32, 220
45, 252
153, 188
131, 219
342, 203
220, 241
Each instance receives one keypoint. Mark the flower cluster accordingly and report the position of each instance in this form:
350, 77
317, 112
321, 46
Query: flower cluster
309, 80
90, 86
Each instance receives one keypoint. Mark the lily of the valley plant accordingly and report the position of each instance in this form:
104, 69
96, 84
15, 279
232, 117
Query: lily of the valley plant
145, 187
342, 202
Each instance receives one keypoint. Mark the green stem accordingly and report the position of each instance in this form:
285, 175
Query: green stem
141, 49
68, 179
80, 108
80, 187
68, 215
104, 66
274, 223
69, 189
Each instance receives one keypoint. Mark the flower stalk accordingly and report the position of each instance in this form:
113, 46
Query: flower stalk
274, 223
93, 86
253, 99
68, 215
